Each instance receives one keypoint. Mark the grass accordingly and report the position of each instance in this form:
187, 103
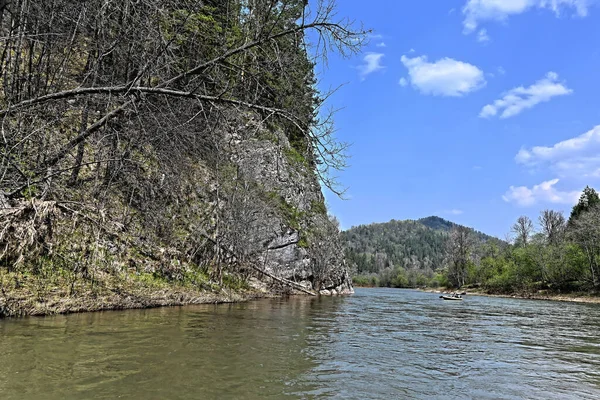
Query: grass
60, 292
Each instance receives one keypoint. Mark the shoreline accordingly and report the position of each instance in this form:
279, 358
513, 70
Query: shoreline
108, 294
36, 296
29, 307
563, 297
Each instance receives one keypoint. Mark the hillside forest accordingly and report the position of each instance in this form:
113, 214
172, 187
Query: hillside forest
554, 253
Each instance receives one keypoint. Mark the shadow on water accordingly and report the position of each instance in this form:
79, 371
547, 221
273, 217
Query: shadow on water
377, 344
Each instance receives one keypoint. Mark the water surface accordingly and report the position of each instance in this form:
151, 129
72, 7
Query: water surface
377, 344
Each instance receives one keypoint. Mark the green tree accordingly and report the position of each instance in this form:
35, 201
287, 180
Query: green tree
589, 199
585, 231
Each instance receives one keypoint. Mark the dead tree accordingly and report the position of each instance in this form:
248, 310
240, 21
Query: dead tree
523, 229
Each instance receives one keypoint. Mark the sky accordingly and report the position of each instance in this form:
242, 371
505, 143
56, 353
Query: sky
477, 111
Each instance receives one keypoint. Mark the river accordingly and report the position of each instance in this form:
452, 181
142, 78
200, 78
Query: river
377, 344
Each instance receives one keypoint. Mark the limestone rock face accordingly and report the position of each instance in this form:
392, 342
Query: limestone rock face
296, 229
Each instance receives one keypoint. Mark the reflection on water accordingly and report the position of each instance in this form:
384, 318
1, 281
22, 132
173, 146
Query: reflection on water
377, 344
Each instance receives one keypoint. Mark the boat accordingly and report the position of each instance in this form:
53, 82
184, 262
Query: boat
451, 297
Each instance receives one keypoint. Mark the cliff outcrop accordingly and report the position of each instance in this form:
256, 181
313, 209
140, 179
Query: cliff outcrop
165, 152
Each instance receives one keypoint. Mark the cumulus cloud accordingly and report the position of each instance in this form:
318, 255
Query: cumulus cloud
521, 98
575, 161
382, 44
545, 192
445, 77
575, 157
371, 63
403, 82
477, 11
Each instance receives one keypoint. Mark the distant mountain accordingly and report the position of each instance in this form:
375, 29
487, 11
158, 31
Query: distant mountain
410, 245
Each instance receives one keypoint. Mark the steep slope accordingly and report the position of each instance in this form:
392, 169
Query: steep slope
159, 152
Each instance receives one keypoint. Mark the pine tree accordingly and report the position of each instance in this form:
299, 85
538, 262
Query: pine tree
589, 199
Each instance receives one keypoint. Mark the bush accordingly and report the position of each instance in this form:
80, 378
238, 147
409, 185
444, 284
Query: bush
365, 281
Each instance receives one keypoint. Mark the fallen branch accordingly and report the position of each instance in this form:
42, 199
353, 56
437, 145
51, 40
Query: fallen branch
284, 281
294, 285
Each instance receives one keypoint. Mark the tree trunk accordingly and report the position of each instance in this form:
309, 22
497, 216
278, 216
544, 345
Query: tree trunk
80, 147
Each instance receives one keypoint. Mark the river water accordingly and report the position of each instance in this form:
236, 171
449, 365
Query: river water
377, 344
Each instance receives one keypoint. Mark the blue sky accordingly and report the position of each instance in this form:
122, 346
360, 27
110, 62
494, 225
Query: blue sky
474, 110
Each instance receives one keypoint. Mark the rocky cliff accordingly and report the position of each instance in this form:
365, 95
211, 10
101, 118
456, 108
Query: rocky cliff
160, 236
153, 152
300, 223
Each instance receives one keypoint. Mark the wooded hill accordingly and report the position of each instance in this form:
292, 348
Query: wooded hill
405, 253
553, 254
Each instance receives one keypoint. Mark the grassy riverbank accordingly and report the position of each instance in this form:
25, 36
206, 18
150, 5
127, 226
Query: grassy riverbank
23, 294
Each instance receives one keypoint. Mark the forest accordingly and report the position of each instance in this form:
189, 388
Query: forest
554, 254
406, 253
160, 143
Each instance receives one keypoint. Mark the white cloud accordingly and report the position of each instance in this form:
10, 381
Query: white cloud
477, 11
382, 44
585, 144
455, 212
445, 77
372, 63
575, 161
403, 82
578, 157
545, 192
519, 99
482, 36
501, 70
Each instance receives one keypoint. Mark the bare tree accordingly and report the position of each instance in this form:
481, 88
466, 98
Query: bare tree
523, 229
151, 54
104, 103
459, 251
323, 251
553, 225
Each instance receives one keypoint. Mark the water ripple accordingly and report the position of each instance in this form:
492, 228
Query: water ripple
378, 344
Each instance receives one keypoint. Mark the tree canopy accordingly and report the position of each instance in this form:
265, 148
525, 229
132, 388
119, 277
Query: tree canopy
588, 200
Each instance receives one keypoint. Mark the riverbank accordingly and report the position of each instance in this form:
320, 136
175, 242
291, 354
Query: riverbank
566, 297
30, 295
